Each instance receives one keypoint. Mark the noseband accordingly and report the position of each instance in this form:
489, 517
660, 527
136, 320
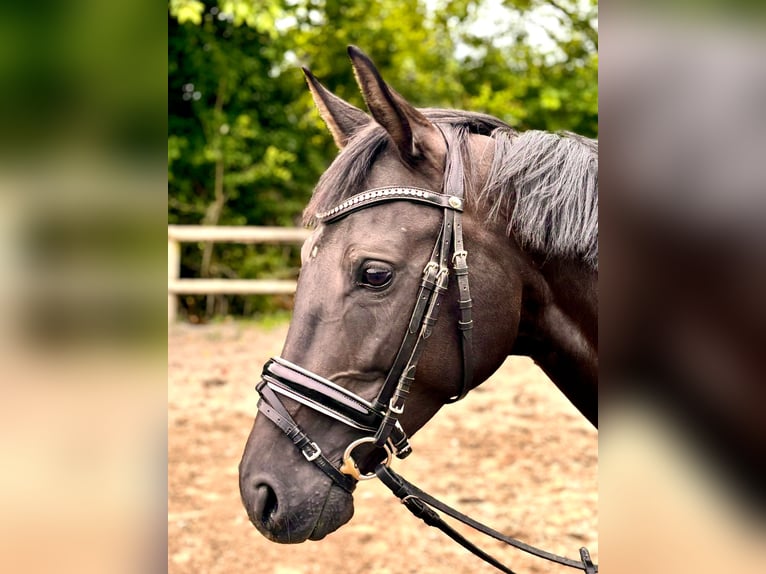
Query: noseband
379, 419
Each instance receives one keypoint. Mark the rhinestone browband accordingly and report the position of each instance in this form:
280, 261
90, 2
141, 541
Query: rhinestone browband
390, 194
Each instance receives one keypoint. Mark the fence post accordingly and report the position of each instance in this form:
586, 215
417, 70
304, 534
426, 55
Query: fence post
174, 272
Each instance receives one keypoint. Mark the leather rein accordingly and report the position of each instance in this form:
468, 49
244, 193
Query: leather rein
379, 420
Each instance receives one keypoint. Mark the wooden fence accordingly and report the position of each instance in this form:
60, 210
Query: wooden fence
178, 234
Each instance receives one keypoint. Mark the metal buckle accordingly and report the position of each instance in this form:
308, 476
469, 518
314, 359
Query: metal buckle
461, 253
431, 268
393, 408
442, 279
316, 454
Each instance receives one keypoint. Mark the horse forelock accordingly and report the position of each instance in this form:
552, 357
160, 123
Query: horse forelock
348, 172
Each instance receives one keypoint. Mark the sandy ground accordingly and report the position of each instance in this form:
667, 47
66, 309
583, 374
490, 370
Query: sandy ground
520, 458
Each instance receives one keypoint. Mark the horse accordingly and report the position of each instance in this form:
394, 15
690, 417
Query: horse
414, 197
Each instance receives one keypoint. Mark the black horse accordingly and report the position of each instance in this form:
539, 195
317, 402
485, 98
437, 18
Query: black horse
390, 214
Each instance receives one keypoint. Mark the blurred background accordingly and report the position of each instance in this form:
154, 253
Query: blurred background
682, 314
82, 329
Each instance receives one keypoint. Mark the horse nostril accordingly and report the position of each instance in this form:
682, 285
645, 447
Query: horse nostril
265, 502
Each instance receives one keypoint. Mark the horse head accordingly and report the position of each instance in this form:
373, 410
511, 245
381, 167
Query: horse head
385, 260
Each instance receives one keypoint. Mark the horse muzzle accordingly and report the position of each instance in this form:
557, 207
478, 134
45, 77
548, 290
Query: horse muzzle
282, 515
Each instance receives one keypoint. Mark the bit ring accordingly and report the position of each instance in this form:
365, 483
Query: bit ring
349, 466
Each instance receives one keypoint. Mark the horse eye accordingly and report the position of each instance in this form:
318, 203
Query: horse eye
376, 276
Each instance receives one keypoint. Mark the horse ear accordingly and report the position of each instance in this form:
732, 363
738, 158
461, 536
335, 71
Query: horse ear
409, 129
342, 119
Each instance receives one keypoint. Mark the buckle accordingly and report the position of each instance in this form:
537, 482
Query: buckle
461, 253
430, 269
442, 279
313, 456
588, 565
393, 408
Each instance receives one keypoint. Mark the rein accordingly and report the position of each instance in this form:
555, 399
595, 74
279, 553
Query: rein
421, 505
379, 420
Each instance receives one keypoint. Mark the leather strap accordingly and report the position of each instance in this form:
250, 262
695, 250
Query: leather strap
412, 343
454, 180
274, 410
427, 287
427, 515
450, 238
322, 395
465, 323
590, 567
417, 501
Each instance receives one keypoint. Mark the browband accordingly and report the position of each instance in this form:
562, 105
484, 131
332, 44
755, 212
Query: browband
381, 194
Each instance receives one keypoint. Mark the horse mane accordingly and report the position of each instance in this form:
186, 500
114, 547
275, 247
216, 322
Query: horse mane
544, 184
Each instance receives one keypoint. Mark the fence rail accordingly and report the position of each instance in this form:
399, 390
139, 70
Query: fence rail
178, 234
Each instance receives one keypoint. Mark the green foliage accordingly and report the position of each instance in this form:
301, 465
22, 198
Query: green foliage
245, 145
187, 10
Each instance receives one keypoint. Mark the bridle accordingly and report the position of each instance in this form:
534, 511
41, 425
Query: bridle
379, 420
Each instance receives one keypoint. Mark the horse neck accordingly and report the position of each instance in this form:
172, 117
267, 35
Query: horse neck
574, 289
559, 328
558, 325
